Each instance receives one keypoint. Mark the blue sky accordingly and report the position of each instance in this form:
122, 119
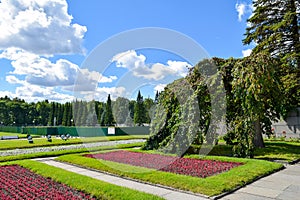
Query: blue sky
44, 43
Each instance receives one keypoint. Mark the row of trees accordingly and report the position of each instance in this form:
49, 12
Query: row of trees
259, 89
122, 111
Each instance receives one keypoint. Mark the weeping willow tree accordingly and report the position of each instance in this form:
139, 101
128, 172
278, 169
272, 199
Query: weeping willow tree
184, 110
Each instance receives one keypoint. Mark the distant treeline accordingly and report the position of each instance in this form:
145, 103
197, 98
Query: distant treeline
122, 111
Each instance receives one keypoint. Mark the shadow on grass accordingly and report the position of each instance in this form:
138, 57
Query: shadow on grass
273, 151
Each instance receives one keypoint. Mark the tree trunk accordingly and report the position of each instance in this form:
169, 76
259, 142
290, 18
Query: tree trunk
258, 139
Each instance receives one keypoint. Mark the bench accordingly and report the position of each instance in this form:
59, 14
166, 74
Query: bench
9, 137
49, 139
65, 137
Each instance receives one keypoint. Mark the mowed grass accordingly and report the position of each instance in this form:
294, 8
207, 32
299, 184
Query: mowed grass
210, 186
42, 142
274, 150
65, 152
13, 134
279, 150
98, 189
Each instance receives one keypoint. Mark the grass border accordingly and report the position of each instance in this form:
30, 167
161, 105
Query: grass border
210, 186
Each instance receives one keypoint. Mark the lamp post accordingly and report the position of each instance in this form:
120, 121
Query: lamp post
71, 122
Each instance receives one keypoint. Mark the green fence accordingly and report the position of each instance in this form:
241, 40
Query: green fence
77, 131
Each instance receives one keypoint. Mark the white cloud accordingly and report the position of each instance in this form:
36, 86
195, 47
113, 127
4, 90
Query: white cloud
34, 93
157, 71
159, 88
7, 93
247, 52
129, 60
101, 93
41, 71
43, 27
242, 9
14, 80
41, 79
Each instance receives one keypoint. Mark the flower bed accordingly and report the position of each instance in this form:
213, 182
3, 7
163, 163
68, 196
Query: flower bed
185, 166
19, 183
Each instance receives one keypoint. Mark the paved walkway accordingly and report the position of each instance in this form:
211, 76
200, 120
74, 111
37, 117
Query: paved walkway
282, 185
159, 191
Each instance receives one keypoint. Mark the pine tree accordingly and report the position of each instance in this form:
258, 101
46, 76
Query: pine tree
156, 97
274, 26
108, 114
139, 111
51, 115
65, 115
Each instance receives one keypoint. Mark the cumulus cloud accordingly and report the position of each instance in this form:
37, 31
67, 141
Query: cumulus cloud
247, 52
41, 71
41, 78
34, 93
43, 27
157, 71
242, 9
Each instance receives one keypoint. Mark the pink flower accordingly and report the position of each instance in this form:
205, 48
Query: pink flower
17, 182
185, 166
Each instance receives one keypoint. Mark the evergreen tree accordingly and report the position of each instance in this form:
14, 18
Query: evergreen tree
108, 114
274, 26
156, 97
149, 109
51, 115
65, 115
83, 113
121, 110
139, 111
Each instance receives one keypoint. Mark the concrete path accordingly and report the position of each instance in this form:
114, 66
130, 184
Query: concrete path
283, 185
159, 191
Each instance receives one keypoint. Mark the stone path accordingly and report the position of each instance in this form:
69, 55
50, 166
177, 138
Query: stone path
159, 191
283, 185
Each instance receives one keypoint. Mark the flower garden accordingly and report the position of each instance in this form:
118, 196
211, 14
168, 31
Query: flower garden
184, 166
23, 178
17, 182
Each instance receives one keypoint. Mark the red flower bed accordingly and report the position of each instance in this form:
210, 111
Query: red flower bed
19, 183
185, 166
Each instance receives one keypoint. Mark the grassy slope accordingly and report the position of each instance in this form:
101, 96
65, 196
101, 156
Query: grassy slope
210, 186
89, 185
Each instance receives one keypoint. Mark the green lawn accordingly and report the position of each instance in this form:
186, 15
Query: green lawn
39, 142
64, 152
211, 186
13, 134
279, 150
99, 189
274, 150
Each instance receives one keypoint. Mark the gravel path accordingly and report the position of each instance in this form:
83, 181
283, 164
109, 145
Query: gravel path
66, 147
